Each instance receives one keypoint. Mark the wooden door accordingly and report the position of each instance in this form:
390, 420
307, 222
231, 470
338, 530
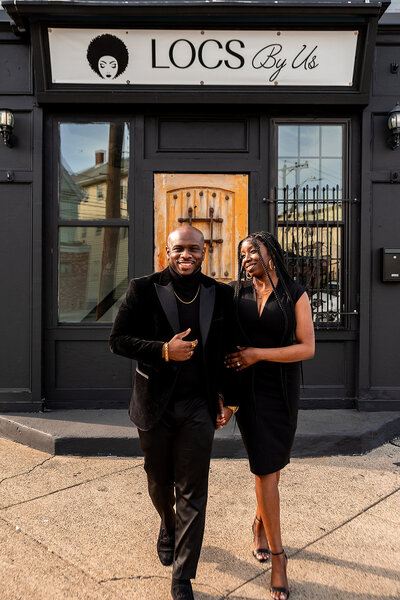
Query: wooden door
215, 204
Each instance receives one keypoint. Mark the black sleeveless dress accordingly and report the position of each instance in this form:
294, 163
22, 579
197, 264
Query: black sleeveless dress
267, 416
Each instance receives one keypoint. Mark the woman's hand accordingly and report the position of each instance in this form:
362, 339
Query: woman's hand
245, 357
224, 414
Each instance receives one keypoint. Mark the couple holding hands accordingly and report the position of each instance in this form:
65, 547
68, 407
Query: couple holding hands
204, 351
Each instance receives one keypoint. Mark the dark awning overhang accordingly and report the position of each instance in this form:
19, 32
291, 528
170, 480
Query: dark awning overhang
24, 12
36, 16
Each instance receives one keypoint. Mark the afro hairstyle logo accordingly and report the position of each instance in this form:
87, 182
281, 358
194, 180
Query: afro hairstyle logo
107, 56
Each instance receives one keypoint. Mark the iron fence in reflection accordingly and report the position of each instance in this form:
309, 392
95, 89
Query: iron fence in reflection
313, 228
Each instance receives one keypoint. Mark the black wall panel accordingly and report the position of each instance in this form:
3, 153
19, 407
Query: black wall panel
384, 81
15, 69
90, 364
378, 368
20, 231
15, 275
328, 378
385, 297
202, 135
327, 367
217, 137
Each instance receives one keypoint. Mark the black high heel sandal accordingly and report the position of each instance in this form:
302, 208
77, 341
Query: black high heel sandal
260, 550
281, 590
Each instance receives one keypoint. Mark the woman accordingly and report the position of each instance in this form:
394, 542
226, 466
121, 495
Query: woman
107, 56
275, 332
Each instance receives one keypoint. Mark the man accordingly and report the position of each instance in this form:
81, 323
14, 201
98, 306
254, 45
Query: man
176, 323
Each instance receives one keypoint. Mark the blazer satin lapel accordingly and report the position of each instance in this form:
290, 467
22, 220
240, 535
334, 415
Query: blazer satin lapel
167, 300
207, 301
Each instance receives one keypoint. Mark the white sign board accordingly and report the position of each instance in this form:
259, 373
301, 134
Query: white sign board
181, 57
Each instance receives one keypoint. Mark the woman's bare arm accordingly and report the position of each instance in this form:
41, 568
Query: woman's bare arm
303, 349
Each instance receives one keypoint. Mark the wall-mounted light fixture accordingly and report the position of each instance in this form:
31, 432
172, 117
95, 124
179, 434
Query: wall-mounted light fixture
6, 126
394, 127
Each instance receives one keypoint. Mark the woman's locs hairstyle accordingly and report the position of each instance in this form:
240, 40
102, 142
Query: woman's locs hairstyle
274, 249
278, 259
107, 56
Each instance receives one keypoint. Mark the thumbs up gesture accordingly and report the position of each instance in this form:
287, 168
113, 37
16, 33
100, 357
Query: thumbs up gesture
180, 350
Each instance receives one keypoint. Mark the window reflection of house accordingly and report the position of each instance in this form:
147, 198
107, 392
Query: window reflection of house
99, 192
93, 183
71, 194
73, 272
73, 254
87, 279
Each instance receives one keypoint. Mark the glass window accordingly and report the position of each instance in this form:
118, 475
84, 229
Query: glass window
394, 6
93, 187
310, 155
311, 213
90, 179
100, 194
331, 141
93, 273
308, 136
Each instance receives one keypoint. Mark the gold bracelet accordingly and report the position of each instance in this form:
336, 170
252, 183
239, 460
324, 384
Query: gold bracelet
234, 409
166, 356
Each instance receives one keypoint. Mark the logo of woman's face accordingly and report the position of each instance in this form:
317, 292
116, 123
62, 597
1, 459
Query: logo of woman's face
108, 67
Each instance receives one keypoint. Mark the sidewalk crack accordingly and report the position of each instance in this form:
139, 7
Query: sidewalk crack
27, 472
321, 537
361, 512
45, 546
68, 487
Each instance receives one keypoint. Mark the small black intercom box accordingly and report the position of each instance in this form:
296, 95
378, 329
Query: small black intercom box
391, 264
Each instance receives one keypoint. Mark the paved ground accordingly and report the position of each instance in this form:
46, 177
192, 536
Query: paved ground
109, 432
83, 528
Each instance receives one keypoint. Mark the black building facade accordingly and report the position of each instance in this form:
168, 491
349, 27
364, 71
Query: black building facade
131, 117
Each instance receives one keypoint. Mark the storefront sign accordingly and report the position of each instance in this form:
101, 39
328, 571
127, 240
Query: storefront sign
180, 57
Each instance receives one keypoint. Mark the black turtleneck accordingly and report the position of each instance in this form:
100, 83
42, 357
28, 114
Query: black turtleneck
191, 378
185, 285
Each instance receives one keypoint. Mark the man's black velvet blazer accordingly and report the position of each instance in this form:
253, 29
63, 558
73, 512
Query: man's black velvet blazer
147, 318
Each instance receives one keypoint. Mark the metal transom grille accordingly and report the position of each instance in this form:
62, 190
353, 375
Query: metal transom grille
312, 226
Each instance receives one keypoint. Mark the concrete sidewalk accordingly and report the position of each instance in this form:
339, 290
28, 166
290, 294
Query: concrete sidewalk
84, 529
110, 432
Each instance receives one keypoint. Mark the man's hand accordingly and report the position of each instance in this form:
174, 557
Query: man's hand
180, 350
224, 414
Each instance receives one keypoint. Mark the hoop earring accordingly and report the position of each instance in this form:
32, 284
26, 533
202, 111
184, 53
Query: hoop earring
248, 276
269, 265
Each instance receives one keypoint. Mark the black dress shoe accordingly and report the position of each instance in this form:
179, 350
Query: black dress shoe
181, 589
165, 546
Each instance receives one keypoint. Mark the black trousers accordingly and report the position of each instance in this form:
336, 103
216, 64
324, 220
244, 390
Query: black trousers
177, 455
